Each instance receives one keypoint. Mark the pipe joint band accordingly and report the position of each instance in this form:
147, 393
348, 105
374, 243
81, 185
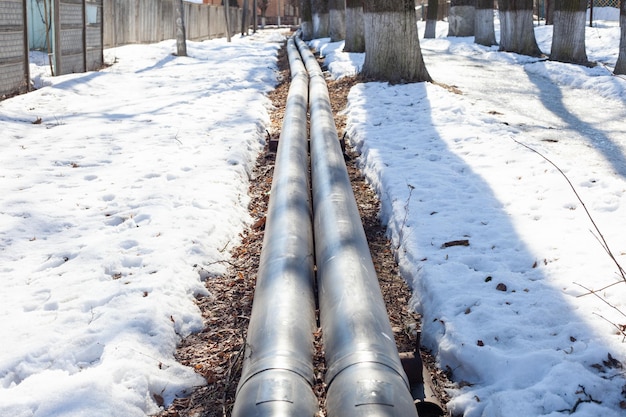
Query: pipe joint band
361, 357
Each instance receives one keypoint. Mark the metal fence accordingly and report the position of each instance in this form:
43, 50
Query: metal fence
606, 3
146, 21
78, 34
74, 32
14, 74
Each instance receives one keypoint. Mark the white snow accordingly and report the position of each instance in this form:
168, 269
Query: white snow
122, 202
115, 209
449, 167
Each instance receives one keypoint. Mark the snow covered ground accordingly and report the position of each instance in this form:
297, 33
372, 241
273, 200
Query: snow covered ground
122, 189
507, 314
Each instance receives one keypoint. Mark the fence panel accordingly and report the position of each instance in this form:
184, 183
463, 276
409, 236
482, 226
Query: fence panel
217, 22
149, 21
69, 41
14, 73
196, 21
78, 36
94, 57
166, 21
606, 3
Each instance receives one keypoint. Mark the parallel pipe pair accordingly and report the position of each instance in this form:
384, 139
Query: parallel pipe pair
364, 374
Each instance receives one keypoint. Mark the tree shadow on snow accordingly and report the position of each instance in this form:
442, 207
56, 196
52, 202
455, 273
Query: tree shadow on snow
552, 98
490, 312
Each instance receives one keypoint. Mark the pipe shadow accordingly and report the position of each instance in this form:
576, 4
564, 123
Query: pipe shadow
490, 311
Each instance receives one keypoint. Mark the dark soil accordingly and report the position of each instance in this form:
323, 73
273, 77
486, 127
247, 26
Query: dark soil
216, 353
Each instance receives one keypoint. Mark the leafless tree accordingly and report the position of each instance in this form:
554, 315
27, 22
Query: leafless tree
517, 30
355, 32
181, 42
320, 18
337, 20
263, 5
307, 20
392, 46
568, 39
461, 18
620, 67
484, 32
431, 19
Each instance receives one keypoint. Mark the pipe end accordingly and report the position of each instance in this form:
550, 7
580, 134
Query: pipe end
369, 389
275, 393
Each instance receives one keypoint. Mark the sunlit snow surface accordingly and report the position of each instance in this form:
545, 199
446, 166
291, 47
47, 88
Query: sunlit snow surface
121, 192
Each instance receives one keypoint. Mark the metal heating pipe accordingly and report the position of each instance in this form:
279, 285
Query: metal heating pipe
277, 374
364, 374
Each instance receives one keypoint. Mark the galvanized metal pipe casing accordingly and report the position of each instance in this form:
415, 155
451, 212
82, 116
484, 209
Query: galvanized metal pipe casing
369, 389
277, 374
275, 393
364, 373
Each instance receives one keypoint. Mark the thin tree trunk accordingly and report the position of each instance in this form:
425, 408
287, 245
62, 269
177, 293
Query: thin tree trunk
517, 30
181, 42
337, 20
254, 15
393, 49
549, 12
244, 19
430, 32
484, 32
461, 18
568, 39
355, 36
620, 66
227, 17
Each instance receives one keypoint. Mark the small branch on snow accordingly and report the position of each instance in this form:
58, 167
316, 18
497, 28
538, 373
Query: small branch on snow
176, 137
600, 236
406, 215
601, 298
620, 327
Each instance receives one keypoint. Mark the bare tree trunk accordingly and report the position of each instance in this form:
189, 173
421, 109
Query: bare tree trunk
181, 42
430, 32
244, 19
254, 16
393, 50
227, 17
307, 20
320, 18
517, 31
355, 35
337, 20
484, 31
568, 39
461, 18
620, 66
549, 12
